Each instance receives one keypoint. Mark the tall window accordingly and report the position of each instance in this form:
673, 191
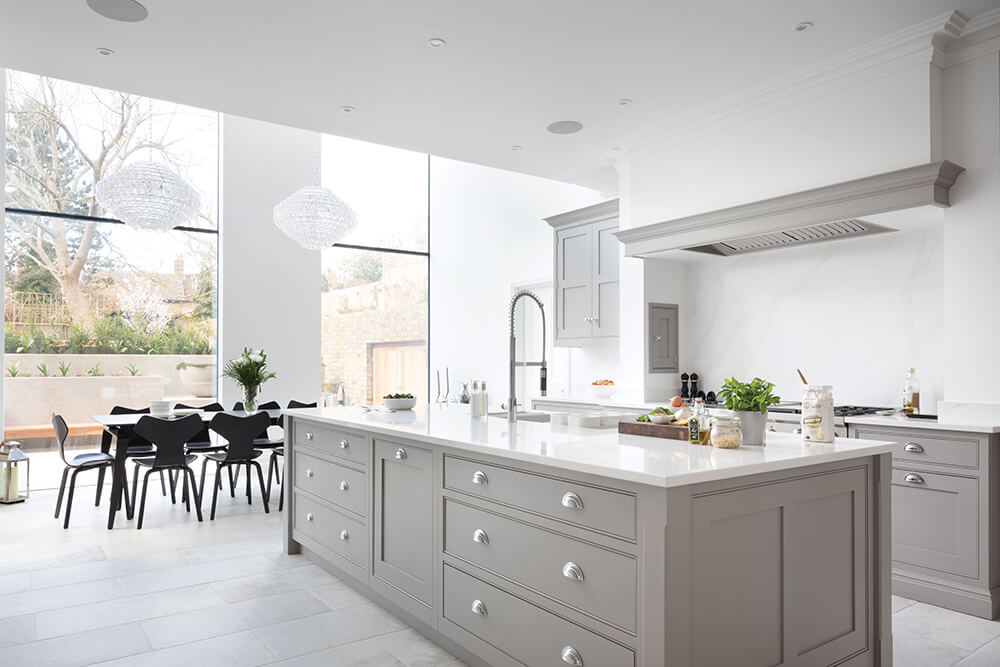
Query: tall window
97, 313
375, 282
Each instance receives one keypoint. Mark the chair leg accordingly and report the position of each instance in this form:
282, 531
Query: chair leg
270, 470
163, 486
281, 493
260, 478
62, 487
135, 484
185, 496
100, 486
142, 503
201, 485
249, 480
69, 499
171, 483
194, 491
129, 502
215, 488
232, 480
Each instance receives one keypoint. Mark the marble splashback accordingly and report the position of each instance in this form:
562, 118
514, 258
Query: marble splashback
854, 314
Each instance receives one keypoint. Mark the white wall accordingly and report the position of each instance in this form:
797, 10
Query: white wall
269, 285
487, 234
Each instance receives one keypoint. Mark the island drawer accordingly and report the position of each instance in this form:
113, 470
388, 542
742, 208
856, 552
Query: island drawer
333, 441
335, 530
594, 580
523, 631
604, 510
330, 481
923, 447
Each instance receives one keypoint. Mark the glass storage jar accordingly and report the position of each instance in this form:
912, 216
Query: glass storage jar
726, 432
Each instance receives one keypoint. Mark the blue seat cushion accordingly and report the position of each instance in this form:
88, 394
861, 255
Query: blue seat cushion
91, 459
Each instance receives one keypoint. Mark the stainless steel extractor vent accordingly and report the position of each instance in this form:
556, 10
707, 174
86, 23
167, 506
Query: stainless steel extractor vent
826, 231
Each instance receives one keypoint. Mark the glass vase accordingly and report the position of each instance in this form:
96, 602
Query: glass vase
250, 399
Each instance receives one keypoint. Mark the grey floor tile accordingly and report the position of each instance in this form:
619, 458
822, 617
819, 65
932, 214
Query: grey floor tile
17, 630
71, 620
338, 595
278, 580
316, 633
918, 651
946, 626
987, 656
241, 649
30, 601
80, 649
413, 649
266, 544
899, 604
187, 575
225, 619
358, 654
15, 583
105, 569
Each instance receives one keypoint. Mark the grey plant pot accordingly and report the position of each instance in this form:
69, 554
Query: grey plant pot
753, 425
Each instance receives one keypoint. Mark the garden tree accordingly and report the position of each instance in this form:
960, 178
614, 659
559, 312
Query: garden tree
61, 140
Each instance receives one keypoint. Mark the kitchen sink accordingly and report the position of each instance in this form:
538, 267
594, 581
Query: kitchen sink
525, 416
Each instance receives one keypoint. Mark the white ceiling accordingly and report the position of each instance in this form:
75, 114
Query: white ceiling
508, 70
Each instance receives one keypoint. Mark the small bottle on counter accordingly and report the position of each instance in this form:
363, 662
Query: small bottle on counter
911, 392
699, 425
484, 399
474, 399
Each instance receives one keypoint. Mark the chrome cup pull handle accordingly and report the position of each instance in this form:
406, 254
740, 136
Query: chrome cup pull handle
572, 571
913, 478
401, 454
344, 535
479, 535
571, 656
572, 501
478, 607
479, 477
344, 486
309, 472
309, 435
344, 444
913, 447
309, 516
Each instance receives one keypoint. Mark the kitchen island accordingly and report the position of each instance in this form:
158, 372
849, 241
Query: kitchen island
532, 544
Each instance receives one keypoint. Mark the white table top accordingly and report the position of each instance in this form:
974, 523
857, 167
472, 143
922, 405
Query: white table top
601, 451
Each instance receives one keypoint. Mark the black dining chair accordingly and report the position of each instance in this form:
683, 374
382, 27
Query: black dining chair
136, 447
240, 433
262, 441
202, 442
88, 461
169, 436
272, 465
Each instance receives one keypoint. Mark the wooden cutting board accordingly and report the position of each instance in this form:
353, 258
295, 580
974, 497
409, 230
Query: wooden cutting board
671, 431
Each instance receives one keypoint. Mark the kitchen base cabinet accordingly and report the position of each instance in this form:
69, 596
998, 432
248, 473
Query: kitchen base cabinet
512, 563
946, 517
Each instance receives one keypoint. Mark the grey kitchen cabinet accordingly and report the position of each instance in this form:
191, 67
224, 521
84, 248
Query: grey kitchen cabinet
586, 270
404, 523
945, 516
664, 347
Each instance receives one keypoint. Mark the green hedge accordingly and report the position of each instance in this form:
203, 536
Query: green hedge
112, 335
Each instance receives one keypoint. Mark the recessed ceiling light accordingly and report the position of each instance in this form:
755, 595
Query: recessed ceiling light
104, 51
624, 101
802, 27
129, 11
565, 127
515, 147
436, 42
348, 109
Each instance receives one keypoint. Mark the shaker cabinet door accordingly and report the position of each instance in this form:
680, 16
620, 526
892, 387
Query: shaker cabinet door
574, 298
663, 344
404, 524
606, 290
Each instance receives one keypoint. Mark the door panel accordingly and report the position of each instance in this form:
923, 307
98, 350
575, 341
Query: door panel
573, 282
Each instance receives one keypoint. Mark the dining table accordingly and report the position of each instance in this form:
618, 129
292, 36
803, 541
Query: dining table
121, 426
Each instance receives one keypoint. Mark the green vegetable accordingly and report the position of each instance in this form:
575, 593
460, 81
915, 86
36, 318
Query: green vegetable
754, 396
642, 418
398, 396
661, 411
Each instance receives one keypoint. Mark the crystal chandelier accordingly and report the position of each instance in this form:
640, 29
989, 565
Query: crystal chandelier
148, 195
314, 217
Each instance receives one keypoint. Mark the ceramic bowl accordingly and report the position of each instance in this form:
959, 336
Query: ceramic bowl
602, 390
398, 403
661, 419
159, 408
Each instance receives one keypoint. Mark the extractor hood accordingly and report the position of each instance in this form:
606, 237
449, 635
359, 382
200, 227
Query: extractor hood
822, 214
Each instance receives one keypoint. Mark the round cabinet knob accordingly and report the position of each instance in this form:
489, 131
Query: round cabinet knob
478, 607
479, 535
479, 477
344, 535
309, 472
572, 501
913, 478
401, 454
344, 486
309, 516
572, 571
344, 444
659, 338
309, 435
571, 656
913, 447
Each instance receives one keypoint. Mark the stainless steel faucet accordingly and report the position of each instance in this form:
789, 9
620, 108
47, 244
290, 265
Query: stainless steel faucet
512, 400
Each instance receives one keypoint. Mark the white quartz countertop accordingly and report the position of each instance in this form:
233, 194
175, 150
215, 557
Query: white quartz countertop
898, 421
599, 451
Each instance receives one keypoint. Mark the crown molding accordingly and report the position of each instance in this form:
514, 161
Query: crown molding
593, 213
981, 22
922, 43
979, 37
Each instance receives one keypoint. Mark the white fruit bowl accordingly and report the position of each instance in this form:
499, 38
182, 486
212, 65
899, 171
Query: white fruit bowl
603, 390
398, 403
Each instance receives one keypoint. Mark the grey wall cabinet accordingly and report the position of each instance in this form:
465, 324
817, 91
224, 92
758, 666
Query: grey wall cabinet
586, 285
945, 516
664, 347
404, 522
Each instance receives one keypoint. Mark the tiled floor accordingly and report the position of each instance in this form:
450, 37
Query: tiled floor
179, 592
222, 593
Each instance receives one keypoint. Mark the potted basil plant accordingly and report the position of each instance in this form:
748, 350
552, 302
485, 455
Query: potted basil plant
749, 400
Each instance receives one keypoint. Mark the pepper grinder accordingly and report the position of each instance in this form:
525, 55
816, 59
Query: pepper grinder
685, 394
694, 387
